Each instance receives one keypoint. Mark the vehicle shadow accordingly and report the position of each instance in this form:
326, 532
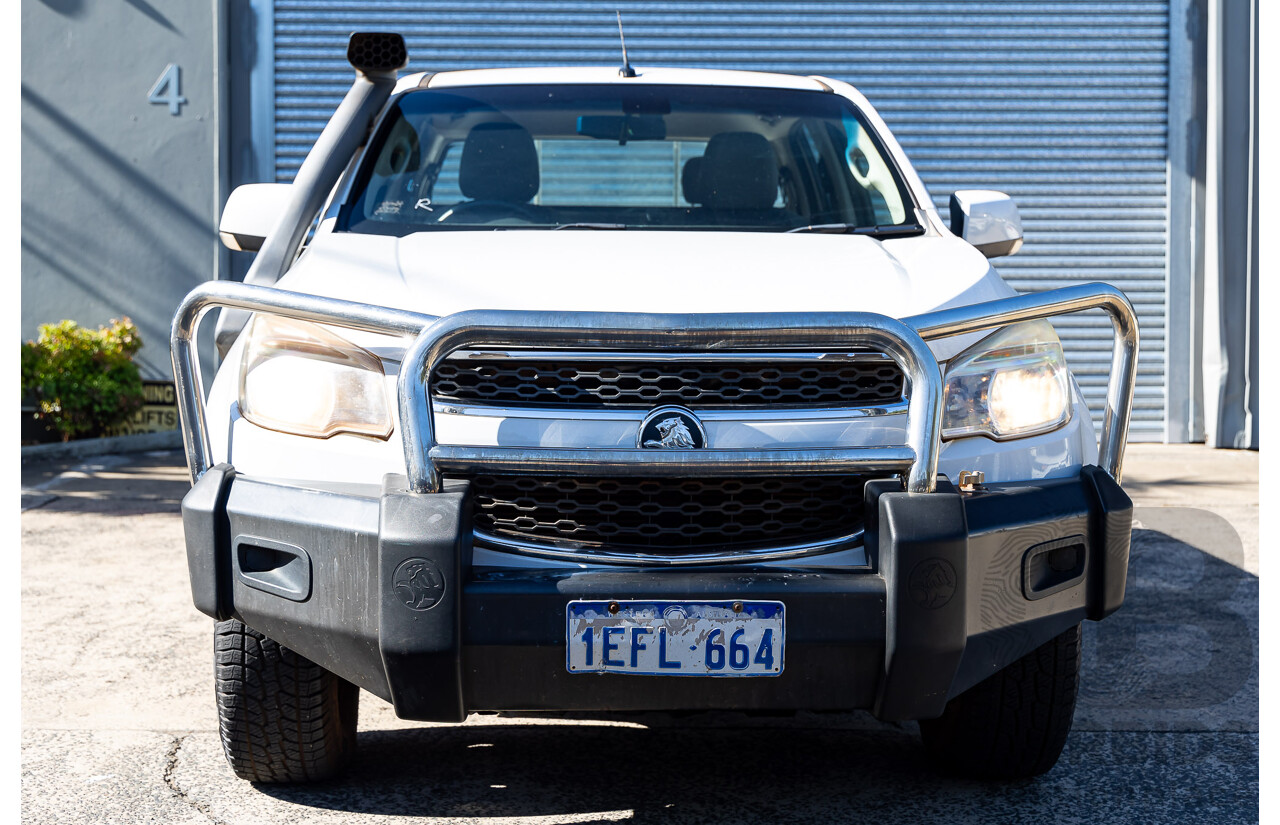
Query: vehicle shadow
1182, 653
1165, 731
595, 772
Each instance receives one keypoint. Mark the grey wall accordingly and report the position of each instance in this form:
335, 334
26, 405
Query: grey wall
119, 198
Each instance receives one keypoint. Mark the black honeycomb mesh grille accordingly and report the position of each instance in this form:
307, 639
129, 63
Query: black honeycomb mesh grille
702, 384
669, 516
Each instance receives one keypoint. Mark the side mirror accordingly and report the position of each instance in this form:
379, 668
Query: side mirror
251, 212
988, 220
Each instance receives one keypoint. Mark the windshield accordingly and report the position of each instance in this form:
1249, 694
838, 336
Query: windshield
616, 157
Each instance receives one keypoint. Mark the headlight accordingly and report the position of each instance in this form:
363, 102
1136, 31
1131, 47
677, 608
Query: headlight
301, 378
1010, 384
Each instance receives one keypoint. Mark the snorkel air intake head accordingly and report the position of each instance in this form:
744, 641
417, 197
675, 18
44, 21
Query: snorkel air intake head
377, 53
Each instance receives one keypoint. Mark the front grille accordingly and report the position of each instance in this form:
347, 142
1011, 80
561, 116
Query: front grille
670, 516
704, 383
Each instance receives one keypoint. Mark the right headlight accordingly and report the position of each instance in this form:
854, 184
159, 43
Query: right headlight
301, 378
1010, 384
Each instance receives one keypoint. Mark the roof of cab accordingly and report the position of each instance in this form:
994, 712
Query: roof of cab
609, 74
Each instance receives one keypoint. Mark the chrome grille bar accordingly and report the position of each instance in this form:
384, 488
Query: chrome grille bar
670, 463
580, 554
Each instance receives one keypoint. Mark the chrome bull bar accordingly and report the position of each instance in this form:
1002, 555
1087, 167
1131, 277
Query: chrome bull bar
902, 340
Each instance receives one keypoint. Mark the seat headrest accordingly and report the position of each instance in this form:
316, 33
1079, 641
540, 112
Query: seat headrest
739, 171
499, 163
691, 181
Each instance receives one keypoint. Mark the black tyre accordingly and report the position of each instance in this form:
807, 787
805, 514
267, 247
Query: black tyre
1012, 725
282, 717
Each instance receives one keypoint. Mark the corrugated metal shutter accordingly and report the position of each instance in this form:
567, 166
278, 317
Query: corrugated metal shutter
1062, 104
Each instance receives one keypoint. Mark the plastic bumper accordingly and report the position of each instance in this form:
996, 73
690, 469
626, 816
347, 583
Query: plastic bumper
961, 585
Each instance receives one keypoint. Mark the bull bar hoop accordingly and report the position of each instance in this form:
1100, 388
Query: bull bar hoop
435, 338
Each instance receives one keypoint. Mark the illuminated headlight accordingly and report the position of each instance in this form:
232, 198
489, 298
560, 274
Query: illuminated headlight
1010, 384
300, 378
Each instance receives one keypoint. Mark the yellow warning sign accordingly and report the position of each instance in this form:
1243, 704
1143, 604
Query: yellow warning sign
159, 411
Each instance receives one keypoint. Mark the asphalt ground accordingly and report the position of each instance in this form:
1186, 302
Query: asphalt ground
119, 724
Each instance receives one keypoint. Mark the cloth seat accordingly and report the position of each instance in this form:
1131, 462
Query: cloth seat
739, 171
499, 163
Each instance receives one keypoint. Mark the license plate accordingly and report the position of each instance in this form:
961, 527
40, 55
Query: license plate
730, 638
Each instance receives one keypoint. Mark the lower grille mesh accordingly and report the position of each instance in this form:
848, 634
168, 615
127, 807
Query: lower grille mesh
669, 516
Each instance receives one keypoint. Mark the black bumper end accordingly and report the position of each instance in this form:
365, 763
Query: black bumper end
976, 580
424, 544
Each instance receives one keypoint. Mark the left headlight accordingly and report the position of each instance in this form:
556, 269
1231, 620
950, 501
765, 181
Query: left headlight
300, 378
1010, 384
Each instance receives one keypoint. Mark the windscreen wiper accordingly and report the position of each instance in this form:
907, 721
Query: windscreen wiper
589, 226
883, 231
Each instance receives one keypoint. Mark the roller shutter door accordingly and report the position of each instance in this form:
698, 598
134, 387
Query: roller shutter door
1061, 104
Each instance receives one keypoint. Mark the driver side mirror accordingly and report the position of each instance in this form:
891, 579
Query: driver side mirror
251, 213
988, 220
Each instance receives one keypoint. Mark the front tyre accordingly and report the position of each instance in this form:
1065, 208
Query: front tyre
1013, 724
282, 718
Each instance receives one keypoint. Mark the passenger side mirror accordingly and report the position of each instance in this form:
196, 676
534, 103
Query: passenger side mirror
251, 212
988, 220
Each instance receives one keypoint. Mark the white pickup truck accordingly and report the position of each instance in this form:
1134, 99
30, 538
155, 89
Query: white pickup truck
656, 389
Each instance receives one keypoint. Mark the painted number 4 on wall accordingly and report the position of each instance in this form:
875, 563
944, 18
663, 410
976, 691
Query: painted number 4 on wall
168, 89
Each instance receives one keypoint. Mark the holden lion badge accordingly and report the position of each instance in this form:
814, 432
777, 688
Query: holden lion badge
419, 583
671, 428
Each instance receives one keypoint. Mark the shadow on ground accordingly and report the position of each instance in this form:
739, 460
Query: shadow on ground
1182, 653
108, 485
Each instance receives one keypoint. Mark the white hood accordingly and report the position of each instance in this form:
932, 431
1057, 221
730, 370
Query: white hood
641, 271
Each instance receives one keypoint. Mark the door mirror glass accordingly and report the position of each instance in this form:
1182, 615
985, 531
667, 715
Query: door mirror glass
988, 220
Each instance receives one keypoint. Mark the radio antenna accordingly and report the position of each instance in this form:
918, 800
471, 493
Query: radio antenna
626, 70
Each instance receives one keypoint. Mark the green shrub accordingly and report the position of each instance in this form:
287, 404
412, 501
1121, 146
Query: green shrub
83, 380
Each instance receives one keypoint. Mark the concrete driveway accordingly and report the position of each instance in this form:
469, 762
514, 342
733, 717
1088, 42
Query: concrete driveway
119, 723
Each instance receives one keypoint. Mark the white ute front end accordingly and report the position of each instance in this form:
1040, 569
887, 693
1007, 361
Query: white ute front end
657, 389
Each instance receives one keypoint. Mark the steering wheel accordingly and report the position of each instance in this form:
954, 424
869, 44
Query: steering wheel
504, 209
